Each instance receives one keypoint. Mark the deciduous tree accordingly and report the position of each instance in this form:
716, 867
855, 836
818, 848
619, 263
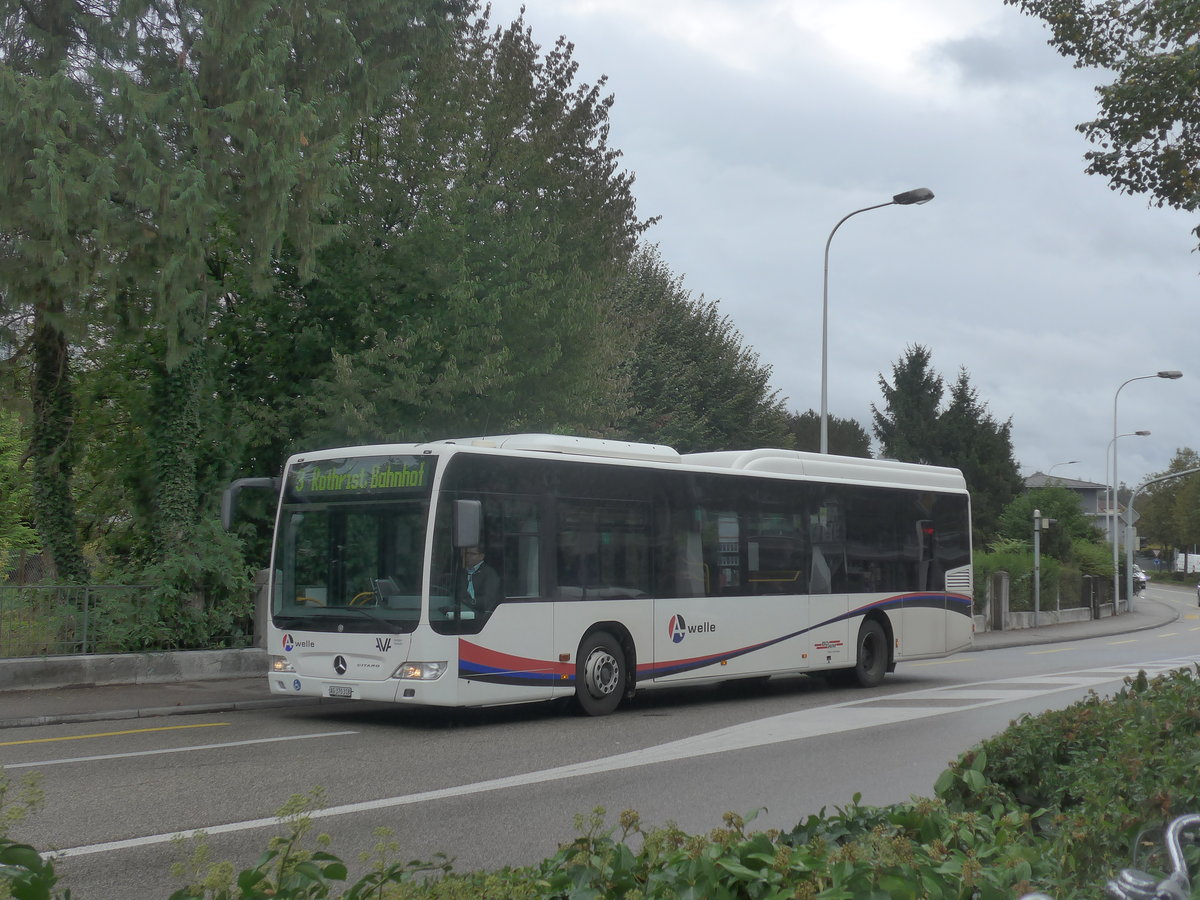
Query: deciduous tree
1148, 132
846, 436
488, 218
1169, 511
1057, 503
693, 383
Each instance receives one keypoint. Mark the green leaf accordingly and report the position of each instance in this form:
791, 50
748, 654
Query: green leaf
735, 868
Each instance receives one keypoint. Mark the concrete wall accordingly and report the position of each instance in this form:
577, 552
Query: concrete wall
1053, 617
32, 673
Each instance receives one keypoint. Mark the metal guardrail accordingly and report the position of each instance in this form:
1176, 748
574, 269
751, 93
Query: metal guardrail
55, 620
51, 620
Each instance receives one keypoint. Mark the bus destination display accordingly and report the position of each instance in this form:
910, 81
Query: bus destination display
361, 477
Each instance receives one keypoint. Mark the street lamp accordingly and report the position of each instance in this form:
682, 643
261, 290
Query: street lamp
1110, 500
1171, 374
1069, 462
1112, 507
1130, 530
914, 197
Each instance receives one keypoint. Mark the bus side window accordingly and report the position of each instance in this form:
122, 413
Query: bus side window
690, 571
519, 554
573, 538
720, 550
603, 550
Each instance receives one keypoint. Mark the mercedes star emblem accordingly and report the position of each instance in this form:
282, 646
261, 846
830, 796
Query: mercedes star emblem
339, 665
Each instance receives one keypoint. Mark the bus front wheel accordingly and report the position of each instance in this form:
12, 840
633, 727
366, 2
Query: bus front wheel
872, 661
600, 675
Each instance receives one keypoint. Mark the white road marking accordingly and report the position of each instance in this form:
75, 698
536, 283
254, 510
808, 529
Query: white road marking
793, 726
77, 759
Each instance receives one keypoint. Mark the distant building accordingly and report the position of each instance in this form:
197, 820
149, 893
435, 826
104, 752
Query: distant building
1093, 498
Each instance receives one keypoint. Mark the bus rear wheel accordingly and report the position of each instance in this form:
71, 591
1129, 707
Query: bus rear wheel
872, 661
600, 675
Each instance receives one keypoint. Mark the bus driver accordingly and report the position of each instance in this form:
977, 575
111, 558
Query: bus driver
478, 583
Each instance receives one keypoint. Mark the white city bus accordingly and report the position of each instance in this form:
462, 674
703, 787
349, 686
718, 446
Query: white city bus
614, 566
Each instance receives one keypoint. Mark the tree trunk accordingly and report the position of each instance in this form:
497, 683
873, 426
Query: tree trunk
174, 434
53, 446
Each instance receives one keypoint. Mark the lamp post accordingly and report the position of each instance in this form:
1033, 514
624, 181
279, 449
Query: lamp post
1130, 530
1069, 462
1170, 374
1108, 468
1112, 507
914, 197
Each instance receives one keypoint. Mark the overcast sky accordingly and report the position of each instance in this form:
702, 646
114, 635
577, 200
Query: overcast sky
753, 126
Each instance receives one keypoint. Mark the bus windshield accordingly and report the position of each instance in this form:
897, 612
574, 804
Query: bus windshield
350, 567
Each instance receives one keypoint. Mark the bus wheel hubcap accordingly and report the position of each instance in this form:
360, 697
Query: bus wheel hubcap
868, 653
602, 673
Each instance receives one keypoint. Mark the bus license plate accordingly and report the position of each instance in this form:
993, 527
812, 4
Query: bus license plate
340, 690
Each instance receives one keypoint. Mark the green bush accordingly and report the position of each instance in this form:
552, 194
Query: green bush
1093, 778
23, 632
1092, 558
1060, 583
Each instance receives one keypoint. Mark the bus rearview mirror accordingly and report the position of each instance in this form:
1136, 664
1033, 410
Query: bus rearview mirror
468, 523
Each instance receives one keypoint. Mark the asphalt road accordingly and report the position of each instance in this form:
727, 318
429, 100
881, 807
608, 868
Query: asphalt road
504, 786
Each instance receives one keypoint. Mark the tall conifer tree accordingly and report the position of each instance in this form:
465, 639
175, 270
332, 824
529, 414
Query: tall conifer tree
54, 224
913, 426
154, 151
907, 425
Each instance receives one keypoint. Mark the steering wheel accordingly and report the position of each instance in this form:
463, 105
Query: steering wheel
361, 598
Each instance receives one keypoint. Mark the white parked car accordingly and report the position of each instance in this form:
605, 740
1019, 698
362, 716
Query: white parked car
1140, 579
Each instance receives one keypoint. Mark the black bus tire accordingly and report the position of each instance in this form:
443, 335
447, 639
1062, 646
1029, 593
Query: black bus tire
600, 675
872, 660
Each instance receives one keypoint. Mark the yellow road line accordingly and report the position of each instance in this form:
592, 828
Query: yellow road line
1126, 641
81, 737
1059, 650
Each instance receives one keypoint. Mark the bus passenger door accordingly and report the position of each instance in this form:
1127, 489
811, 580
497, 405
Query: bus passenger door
602, 576
831, 637
924, 630
494, 596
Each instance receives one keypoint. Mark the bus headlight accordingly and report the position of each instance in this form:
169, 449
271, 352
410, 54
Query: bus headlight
281, 664
420, 671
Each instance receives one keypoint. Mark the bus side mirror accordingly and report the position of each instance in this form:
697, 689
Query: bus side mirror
229, 497
468, 523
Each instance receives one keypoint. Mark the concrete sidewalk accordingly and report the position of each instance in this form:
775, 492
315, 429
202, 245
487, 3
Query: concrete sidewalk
138, 686
58, 689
